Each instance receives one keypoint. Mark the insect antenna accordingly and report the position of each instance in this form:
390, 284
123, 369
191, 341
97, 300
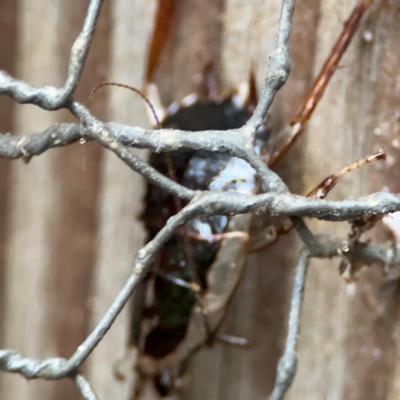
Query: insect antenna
133, 89
168, 160
171, 173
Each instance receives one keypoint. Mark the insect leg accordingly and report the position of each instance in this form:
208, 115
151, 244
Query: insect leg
264, 237
217, 237
323, 188
296, 127
232, 340
177, 281
155, 109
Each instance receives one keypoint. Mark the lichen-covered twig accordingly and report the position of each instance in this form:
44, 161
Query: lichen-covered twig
288, 363
49, 97
84, 387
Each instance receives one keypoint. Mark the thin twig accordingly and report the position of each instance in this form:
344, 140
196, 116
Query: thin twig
84, 387
99, 132
48, 97
278, 68
278, 204
320, 84
57, 368
288, 363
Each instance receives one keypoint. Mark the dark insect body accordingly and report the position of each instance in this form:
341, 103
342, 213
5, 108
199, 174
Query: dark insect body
182, 292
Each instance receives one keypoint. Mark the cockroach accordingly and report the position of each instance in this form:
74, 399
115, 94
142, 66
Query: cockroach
186, 295
182, 302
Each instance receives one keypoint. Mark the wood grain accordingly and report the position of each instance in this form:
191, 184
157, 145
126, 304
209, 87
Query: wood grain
346, 346
120, 235
32, 207
8, 42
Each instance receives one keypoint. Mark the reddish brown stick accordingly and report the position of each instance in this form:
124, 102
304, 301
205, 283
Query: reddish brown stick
162, 27
322, 190
318, 89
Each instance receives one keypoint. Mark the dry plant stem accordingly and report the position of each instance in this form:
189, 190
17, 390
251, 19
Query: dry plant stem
290, 204
306, 235
163, 140
59, 135
327, 71
84, 387
278, 68
99, 132
278, 204
288, 363
118, 137
57, 368
49, 97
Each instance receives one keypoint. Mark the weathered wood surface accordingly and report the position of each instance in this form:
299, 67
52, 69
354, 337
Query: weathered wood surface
348, 341
121, 193
33, 195
68, 233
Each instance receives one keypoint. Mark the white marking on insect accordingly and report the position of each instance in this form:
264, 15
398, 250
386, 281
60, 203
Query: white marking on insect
241, 97
173, 108
227, 177
392, 222
396, 143
189, 100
